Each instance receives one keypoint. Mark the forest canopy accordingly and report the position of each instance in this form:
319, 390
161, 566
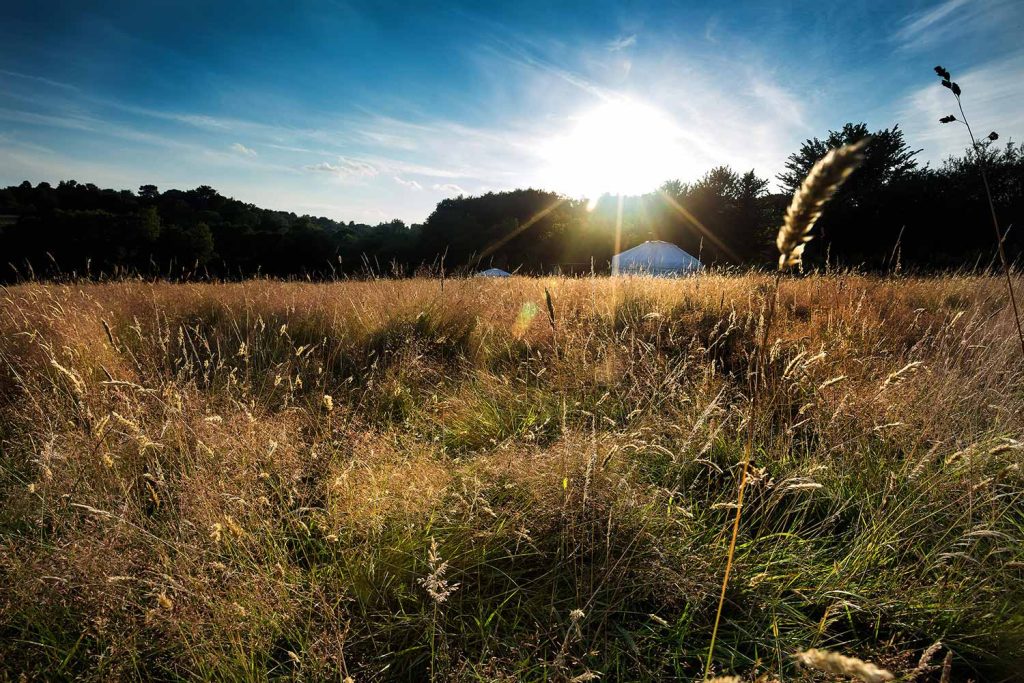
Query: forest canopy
892, 211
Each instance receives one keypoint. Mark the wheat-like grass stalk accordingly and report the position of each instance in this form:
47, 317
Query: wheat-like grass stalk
809, 201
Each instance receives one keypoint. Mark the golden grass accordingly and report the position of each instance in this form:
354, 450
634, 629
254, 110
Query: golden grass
179, 500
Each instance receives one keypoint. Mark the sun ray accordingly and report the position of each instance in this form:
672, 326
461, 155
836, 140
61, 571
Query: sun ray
618, 228
685, 213
498, 244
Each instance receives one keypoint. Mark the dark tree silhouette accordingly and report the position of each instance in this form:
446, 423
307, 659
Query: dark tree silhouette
888, 158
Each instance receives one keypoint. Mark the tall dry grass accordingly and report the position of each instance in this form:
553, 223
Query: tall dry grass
805, 207
179, 499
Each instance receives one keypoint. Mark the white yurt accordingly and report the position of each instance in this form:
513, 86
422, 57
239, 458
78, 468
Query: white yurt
655, 258
493, 272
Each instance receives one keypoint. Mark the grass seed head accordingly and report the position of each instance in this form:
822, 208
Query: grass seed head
834, 663
809, 201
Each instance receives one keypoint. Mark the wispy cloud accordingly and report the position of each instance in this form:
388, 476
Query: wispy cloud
293, 148
243, 150
99, 126
951, 19
916, 24
622, 42
711, 29
50, 120
411, 184
519, 55
344, 168
389, 140
449, 188
39, 79
785, 106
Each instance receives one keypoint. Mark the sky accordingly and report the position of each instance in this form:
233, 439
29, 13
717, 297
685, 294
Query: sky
378, 110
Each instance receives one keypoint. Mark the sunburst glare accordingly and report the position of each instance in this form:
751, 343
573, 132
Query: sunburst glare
621, 147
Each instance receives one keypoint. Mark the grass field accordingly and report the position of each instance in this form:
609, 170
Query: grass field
413, 480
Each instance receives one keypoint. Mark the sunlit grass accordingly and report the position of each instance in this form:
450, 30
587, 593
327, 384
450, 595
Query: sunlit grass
178, 499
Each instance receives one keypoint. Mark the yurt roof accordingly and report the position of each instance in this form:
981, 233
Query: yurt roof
658, 255
493, 272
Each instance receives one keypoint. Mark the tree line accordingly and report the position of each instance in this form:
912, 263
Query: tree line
892, 213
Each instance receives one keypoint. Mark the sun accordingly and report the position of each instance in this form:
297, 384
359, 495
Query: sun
621, 147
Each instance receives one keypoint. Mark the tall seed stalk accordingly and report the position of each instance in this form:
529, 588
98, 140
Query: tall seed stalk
949, 84
808, 203
551, 320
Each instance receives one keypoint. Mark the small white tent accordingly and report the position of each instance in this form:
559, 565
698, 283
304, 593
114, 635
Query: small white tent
493, 272
654, 258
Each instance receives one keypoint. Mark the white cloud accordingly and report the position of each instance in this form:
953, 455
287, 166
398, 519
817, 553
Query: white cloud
345, 168
449, 188
622, 42
411, 184
242, 149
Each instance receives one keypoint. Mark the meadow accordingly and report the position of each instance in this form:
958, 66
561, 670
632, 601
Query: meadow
468, 479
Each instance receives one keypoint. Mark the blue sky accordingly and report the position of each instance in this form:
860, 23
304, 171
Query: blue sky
369, 111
